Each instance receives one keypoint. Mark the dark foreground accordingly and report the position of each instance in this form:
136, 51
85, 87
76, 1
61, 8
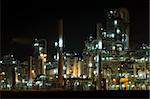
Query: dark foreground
75, 94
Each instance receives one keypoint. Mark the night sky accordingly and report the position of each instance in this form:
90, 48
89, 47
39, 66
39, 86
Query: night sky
24, 20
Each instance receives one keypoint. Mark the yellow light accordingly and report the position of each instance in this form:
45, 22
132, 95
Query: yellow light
41, 55
44, 59
114, 80
32, 71
45, 55
44, 67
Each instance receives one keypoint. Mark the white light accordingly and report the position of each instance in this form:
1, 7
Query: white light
101, 28
57, 56
1, 61
117, 85
40, 48
89, 84
54, 56
8, 85
107, 58
12, 56
118, 31
96, 46
120, 74
13, 62
3, 73
94, 58
2, 81
65, 76
56, 44
110, 58
23, 81
36, 44
112, 35
115, 22
100, 44
90, 64
94, 72
67, 54
132, 86
44, 67
129, 82
64, 68
111, 12
104, 33
92, 47
123, 85
18, 74
29, 84
103, 58
60, 42
15, 68
113, 48
132, 75
84, 76
55, 71
120, 49
78, 83
44, 59
97, 58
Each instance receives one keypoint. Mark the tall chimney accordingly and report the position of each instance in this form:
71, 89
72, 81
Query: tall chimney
98, 30
60, 61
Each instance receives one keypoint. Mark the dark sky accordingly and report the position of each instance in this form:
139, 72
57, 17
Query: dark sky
23, 20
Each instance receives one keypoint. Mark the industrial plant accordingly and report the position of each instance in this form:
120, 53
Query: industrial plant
107, 61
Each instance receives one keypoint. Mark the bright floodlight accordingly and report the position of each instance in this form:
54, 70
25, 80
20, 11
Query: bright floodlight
60, 42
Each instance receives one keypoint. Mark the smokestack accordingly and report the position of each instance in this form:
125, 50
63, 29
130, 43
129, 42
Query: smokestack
30, 68
98, 30
60, 61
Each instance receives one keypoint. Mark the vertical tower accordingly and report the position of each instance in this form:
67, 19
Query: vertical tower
60, 62
30, 68
40, 55
99, 30
123, 15
115, 38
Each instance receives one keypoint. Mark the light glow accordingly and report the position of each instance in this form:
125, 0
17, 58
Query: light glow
118, 31
100, 44
115, 22
60, 42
